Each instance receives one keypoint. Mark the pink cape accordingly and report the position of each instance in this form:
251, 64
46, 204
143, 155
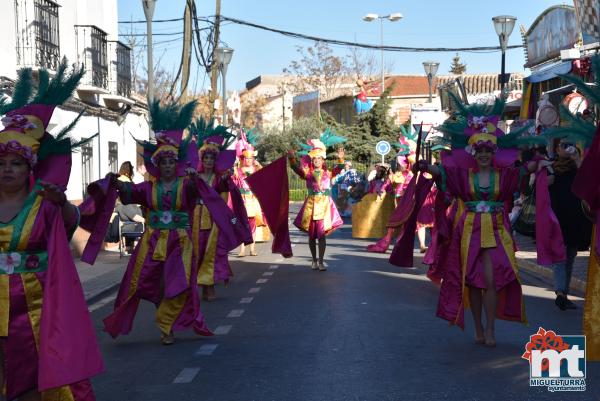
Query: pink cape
271, 188
68, 351
402, 254
548, 237
96, 211
587, 182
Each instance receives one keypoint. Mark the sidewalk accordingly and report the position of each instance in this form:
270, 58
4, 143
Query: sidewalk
103, 277
526, 258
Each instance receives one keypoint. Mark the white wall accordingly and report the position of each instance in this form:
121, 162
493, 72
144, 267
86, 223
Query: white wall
109, 132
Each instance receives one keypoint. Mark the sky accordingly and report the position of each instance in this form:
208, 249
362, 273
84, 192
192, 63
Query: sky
434, 23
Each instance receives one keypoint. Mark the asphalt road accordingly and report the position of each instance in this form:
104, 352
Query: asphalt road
363, 330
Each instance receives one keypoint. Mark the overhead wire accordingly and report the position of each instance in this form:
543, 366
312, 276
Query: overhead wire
336, 42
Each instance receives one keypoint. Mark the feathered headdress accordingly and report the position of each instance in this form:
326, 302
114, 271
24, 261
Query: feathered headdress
407, 142
318, 147
580, 127
168, 121
477, 125
245, 145
214, 139
26, 119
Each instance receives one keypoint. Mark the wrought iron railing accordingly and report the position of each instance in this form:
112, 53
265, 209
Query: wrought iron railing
123, 67
38, 43
99, 58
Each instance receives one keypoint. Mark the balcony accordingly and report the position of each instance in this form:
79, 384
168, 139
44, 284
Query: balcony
120, 71
38, 44
92, 50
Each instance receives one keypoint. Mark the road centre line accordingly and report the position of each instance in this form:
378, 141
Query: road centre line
236, 313
274, 267
186, 375
246, 300
267, 273
206, 349
222, 330
262, 280
253, 290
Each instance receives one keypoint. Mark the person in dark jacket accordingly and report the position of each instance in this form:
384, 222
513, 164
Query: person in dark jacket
575, 227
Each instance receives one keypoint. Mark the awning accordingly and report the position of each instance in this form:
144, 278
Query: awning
550, 72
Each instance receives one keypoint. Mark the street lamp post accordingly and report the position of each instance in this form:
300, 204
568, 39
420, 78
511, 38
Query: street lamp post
223, 58
431, 68
149, 13
504, 25
392, 18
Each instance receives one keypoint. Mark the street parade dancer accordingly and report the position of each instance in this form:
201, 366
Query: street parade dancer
318, 216
405, 158
480, 263
246, 166
211, 247
48, 348
163, 267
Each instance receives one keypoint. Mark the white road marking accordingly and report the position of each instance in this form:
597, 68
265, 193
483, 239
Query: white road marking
206, 349
222, 330
267, 273
253, 290
186, 375
262, 280
246, 300
274, 267
236, 313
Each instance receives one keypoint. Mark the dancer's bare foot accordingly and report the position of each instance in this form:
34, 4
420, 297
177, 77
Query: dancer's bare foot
490, 338
479, 337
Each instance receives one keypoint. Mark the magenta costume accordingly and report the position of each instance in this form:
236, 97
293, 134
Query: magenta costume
482, 224
318, 216
47, 340
162, 268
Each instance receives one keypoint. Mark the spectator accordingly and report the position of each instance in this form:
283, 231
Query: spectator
575, 227
132, 221
126, 172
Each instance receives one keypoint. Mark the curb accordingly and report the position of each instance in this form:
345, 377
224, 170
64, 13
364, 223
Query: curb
103, 293
546, 273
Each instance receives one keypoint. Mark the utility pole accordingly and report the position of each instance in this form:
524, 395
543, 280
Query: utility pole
214, 72
283, 106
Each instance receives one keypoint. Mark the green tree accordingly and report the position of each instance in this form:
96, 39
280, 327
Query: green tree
457, 67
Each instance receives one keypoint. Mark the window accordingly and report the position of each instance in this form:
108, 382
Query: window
99, 61
47, 50
123, 70
87, 161
113, 157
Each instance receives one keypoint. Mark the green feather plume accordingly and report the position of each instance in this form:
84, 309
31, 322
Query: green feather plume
171, 116
329, 138
22, 92
201, 129
61, 87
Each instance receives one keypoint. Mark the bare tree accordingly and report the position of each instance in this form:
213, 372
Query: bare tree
317, 69
362, 64
253, 107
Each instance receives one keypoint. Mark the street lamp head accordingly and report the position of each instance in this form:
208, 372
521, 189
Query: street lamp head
395, 17
223, 57
148, 8
431, 68
504, 25
370, 17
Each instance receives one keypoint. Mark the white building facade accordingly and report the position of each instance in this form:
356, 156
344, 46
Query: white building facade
37, 34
